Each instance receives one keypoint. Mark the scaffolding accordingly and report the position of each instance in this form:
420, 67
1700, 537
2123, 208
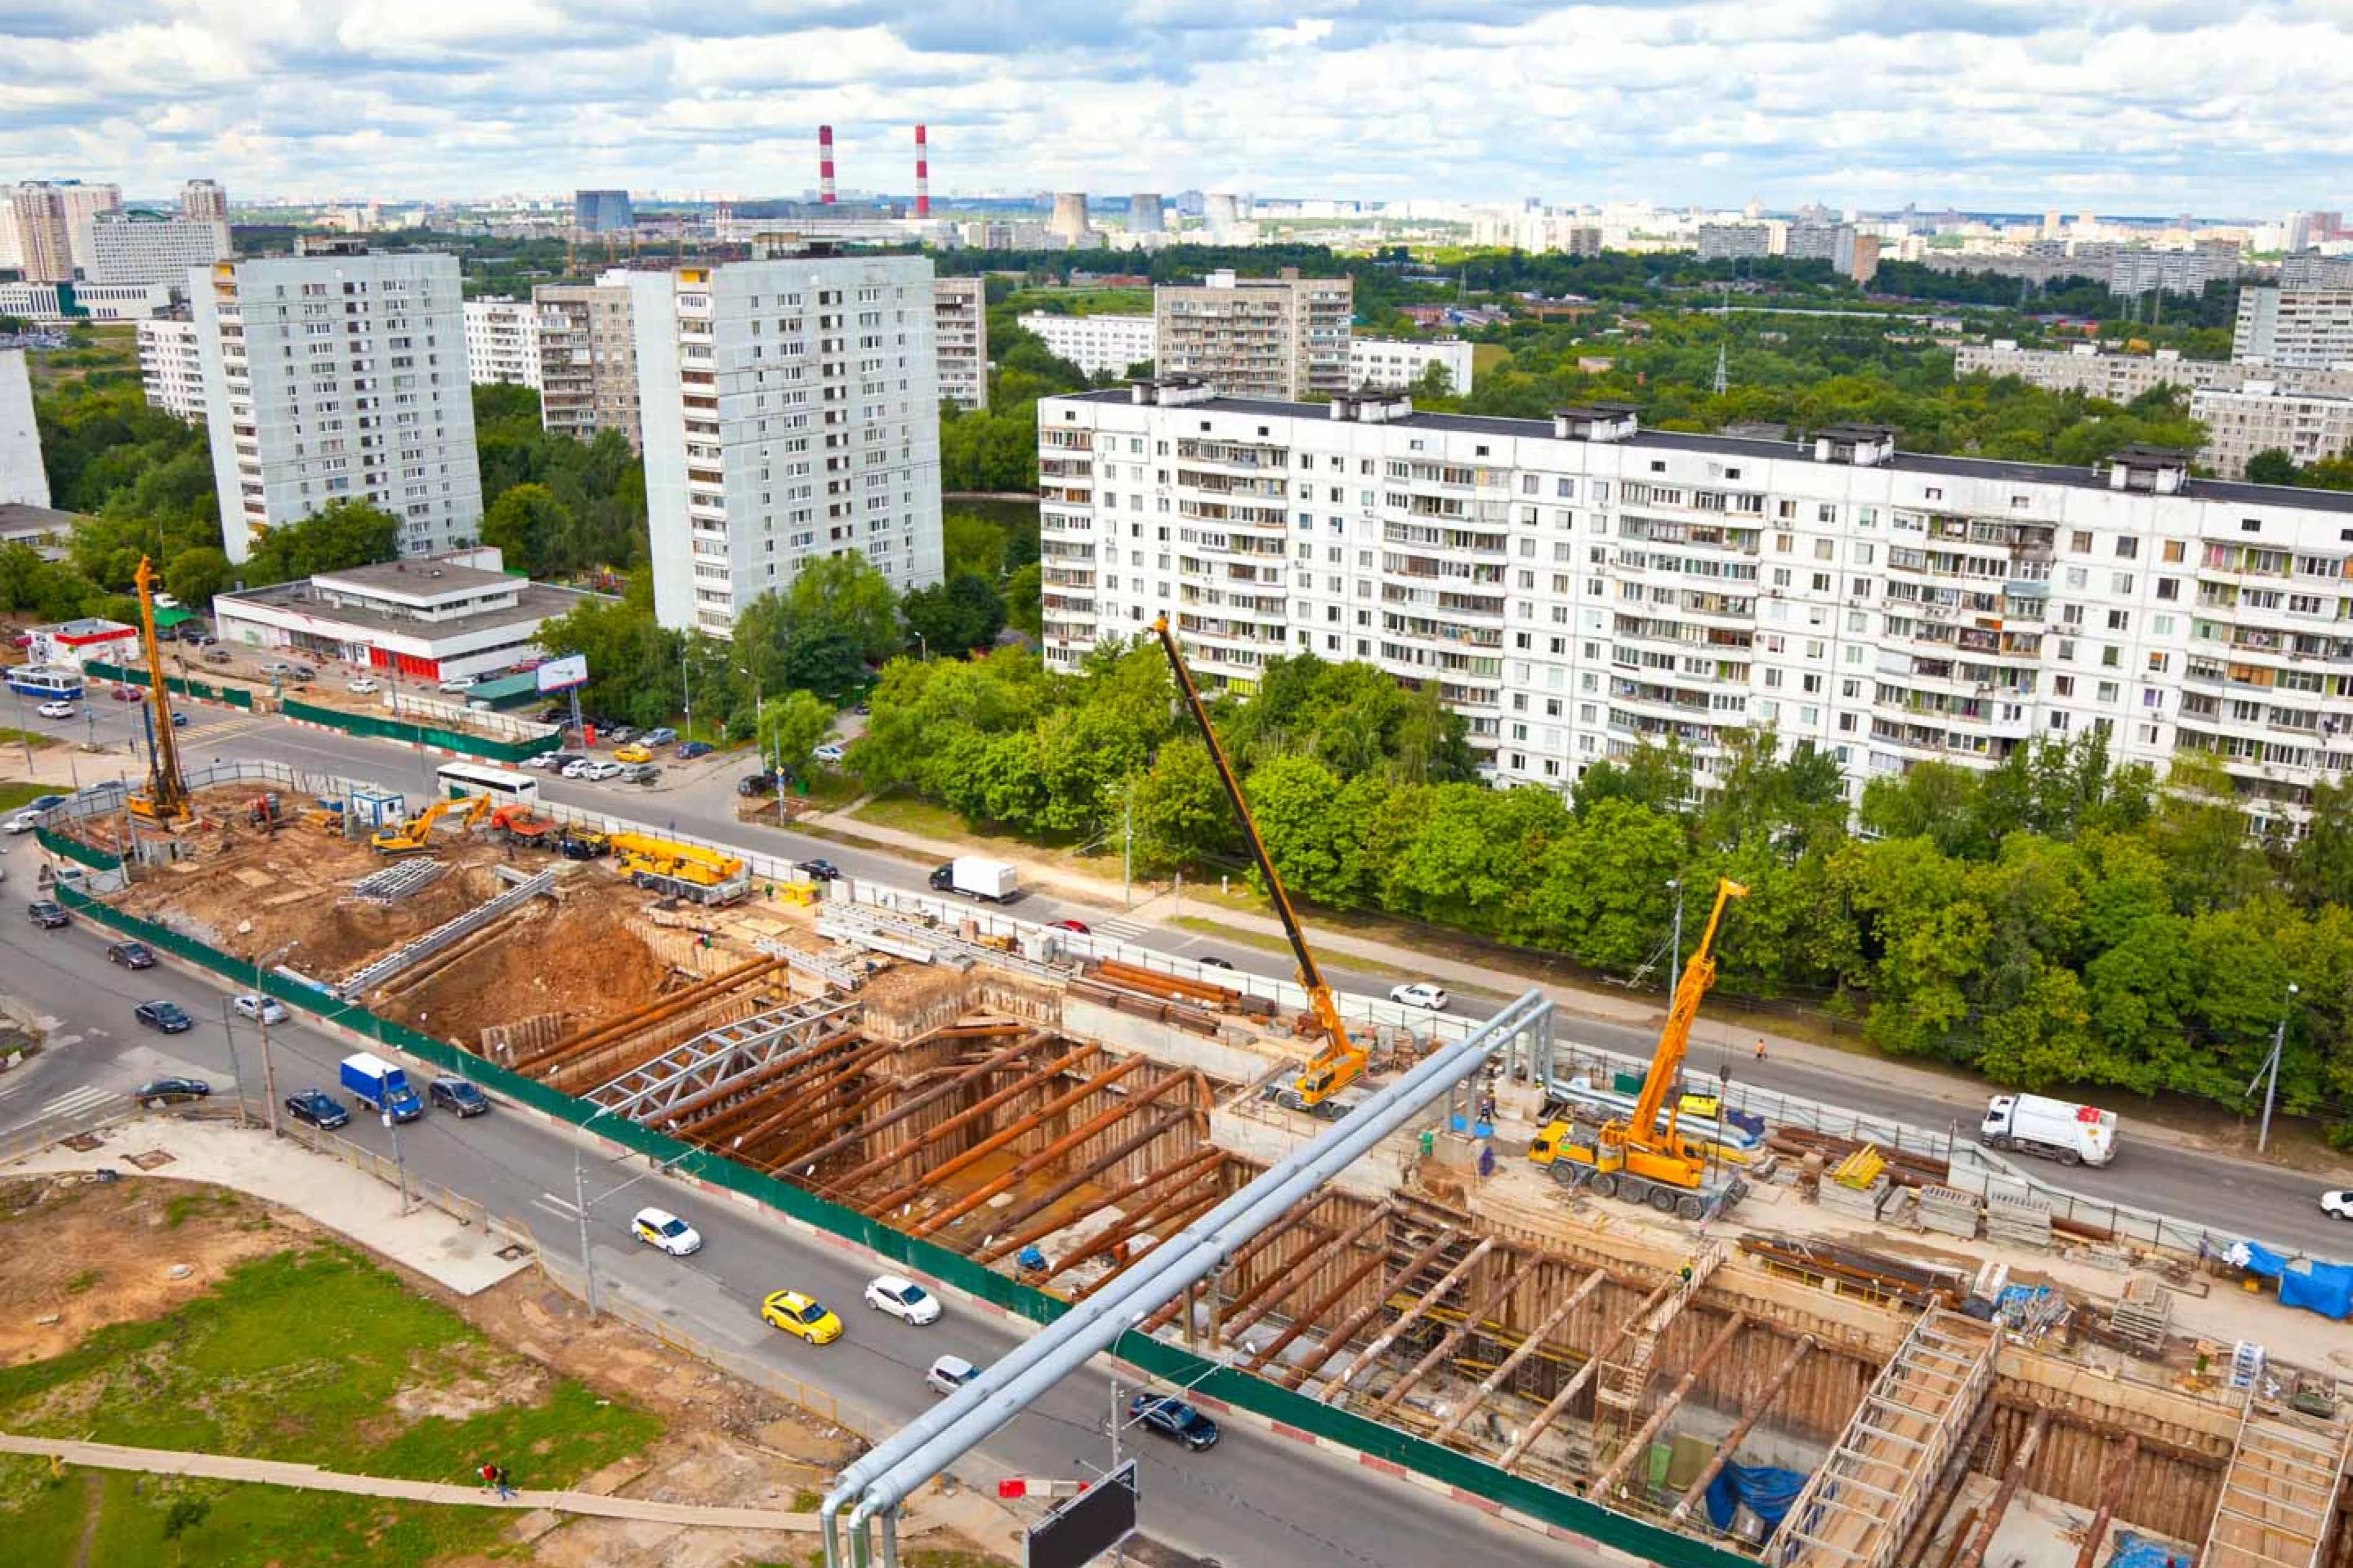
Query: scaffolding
1858, 1507
2280, 1492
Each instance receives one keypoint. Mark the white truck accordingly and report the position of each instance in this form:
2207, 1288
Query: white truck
2055, 1129
975, 877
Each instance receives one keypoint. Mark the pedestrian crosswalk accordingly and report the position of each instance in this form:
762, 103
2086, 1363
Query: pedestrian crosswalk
223, 729
1122, 927
60, 1108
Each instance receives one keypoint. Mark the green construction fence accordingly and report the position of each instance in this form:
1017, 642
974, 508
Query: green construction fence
1471, 1475
234, 696
409, 734
56, 843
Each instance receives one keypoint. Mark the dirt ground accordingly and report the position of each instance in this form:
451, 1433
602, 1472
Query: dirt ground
76, 1255
579, 958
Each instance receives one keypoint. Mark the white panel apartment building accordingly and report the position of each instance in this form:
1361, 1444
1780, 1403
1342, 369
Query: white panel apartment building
503, 343
1401, 362
2120, 378
2294, 328
334, 376
141, 247
24, 476
2261, 417
172, 368
1285, 336
1577, 586
1098, 345
791, 411
960, 336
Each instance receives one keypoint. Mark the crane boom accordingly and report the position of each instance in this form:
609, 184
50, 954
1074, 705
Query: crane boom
1341, 1059
1674, 1040
167, 792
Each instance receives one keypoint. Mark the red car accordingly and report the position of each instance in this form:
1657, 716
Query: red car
1079, 926
126, 694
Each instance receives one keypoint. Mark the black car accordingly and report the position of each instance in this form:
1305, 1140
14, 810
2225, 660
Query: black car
131, 956
818, 870
756, 783
1213, 962
318, 1108
1173, 1419
171, 1091
163, 1015
47, 914
456, 1094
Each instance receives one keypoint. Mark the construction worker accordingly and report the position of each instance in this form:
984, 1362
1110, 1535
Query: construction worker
1760, 1047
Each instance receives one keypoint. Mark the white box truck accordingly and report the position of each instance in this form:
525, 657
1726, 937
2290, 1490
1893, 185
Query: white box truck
2055, 1129
975, 877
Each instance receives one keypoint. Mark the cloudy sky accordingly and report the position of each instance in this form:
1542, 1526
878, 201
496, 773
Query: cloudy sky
2149, 106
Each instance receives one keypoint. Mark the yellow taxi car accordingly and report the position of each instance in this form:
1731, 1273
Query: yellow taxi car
632, 754
797, 1314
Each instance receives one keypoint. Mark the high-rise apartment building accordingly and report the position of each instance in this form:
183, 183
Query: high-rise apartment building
339, 374
1734, 241
1098, 345
603, 212
2263, 416
2294, 328
1280, 337
23, 477
790, 406
44, 232
1403, 361
587, 359
204, 201
1576, 587
960, 330
503, 343
83, 203
2121, 377
133, 246
172, 367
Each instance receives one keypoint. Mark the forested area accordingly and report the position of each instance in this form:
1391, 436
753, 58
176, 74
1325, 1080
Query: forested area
2057, 922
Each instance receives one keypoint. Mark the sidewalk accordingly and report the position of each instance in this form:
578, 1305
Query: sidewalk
311, 1477
464, 1258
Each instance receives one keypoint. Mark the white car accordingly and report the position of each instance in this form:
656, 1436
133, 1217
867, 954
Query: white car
660, 1227
903, 1299
56, 710
457, 683
597, 772
579, 768
831, 752
268, 1009
537, 761
949, 1373
23, 822
1420, 993
362, 685
2339, 1203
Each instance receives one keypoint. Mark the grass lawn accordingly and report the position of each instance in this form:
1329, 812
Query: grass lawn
14, 737
1486, 359
311, 1354
14, 794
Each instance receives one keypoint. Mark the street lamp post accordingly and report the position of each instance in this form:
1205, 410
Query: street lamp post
261, 1022
1675, 952
583, 1203
2270, 1070
235, 1071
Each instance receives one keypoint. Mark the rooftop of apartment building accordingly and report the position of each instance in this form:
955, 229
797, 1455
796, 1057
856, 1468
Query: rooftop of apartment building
1763, 450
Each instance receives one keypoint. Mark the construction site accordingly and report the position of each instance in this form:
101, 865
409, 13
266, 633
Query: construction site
1810, 1350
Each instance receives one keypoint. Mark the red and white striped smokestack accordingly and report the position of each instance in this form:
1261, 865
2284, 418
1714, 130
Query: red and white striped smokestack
825, 164
922, 175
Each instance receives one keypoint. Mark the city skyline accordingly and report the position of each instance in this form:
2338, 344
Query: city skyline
1849, 102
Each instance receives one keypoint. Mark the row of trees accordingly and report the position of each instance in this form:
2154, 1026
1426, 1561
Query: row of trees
2055, 922
555, 506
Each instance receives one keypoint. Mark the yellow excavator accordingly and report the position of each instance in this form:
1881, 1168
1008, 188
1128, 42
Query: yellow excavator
415, 834
1340, 1060
165, 798
1635, 1158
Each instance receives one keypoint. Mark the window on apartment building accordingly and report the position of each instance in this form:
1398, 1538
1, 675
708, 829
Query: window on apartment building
2128, 547
1784, 542
2081, 542
1862, 554
1785, 509
1658, 465
1565, 488
2077, 577
2062, 686
1821, 582
2160, 662
2107, 691
2169, 588
1934, 494
2022, 503
1826, 514
2174, 548
2059, 721
1780, 576
2111, 658
2120, 583
2250, 525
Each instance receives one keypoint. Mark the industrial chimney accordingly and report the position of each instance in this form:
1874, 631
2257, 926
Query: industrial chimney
922, 175
825, 164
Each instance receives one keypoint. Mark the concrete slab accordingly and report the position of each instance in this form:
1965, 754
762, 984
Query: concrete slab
462, 1256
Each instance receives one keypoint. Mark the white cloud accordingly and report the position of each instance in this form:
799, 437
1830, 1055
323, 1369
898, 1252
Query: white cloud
2128, 104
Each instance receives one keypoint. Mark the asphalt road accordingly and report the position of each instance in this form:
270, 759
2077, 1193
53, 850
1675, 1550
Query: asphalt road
1252, 1500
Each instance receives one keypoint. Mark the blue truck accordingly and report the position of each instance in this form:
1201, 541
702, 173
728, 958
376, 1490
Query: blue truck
381, 1087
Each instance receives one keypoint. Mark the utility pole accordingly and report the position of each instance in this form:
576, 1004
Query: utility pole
399, 1164
2270, 1071
235, 1071
580, 1203
1675, 945
1127, 849
269, 1068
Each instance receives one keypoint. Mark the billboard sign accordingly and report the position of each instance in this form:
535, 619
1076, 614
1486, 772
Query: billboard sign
562, 674
1087, 1526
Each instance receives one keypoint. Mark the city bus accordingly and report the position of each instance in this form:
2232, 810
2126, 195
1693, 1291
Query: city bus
46, 683
458, 779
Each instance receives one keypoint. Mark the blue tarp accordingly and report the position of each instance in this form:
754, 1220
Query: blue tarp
2140, 1551
2323, 1287
1768, 1493
2256, 1259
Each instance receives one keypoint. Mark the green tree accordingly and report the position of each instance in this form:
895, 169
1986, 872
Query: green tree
1182, 816
2271, 467
529, 527
961, 614
195, 576
974, 544
340, 535
1025, 600
792, 726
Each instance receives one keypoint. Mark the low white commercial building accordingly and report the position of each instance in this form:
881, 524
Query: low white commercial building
423, 620
503, 343
172, 368
1402, 361
1098, 345
1578, 586
23, 477
148, 248
53, 303
2260, 416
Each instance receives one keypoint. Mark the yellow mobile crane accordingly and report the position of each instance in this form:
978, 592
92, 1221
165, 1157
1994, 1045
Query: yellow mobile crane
1340, 1060
1632, 1157
165, 799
